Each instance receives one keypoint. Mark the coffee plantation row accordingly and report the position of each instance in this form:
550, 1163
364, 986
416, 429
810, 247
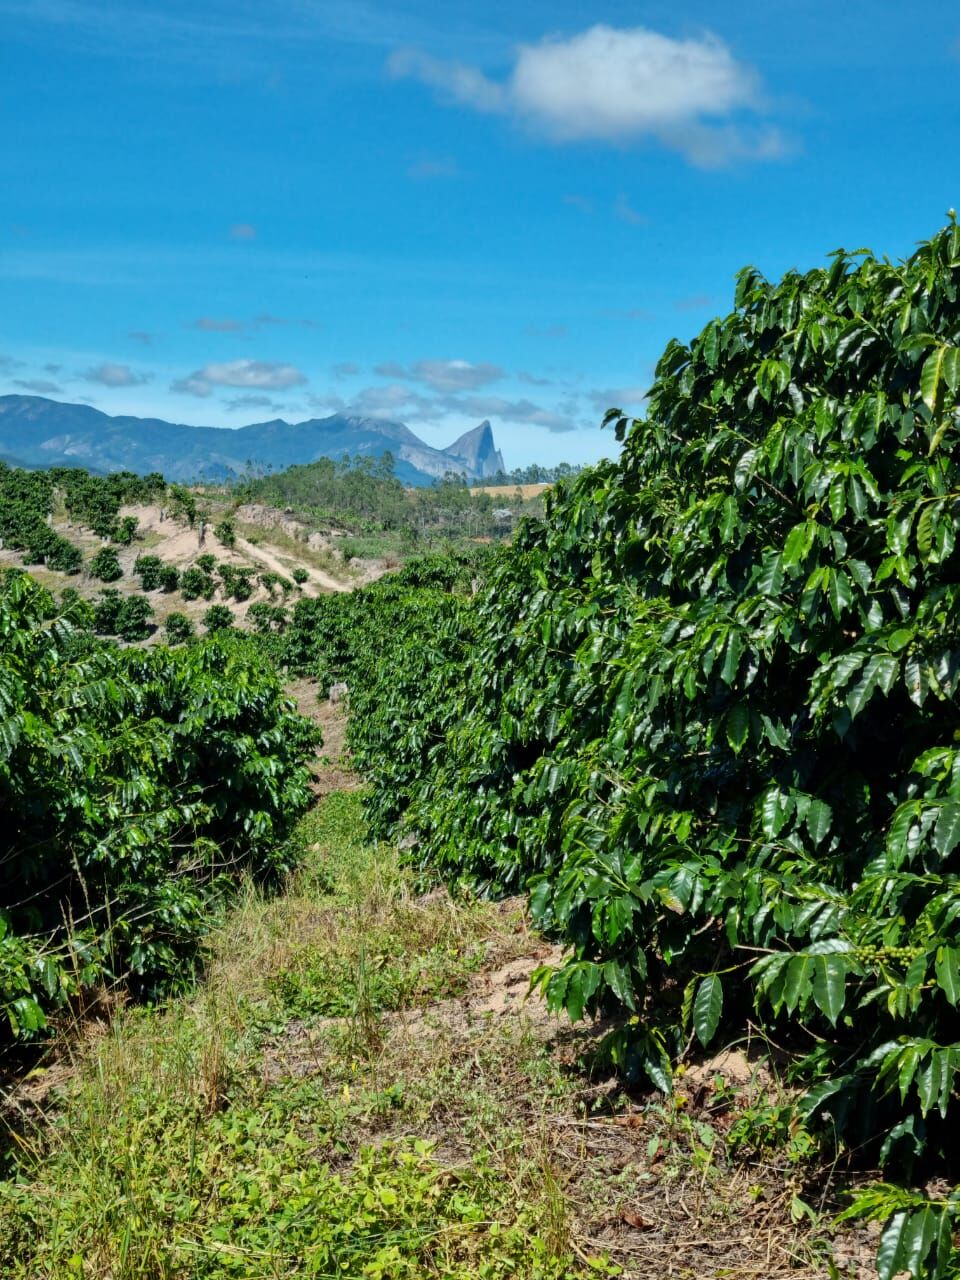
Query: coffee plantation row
705, 715
138, 787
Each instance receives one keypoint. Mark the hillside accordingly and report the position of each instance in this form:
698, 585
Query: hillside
37, 432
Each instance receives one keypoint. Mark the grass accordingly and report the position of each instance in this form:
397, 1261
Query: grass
359, 1089
186, 1144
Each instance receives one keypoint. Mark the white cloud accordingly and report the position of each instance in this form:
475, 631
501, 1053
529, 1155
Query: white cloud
243, 231
695, 303
616, 85
396, 401
444, 375
462, 83
115, 375
253, 374
403, 402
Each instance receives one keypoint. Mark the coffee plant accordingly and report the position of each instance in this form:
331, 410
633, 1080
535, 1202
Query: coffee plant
707, 715
178, 628
218, 618
196, 583
137, 786
105, 565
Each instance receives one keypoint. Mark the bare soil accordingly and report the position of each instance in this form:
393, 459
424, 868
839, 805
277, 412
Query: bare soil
332, 770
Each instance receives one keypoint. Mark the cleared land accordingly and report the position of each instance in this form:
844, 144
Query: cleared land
267, 541
511, 490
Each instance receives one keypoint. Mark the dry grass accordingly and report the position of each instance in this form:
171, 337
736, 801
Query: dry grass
511, 490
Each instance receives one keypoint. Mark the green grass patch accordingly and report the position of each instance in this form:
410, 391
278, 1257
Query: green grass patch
185, 1147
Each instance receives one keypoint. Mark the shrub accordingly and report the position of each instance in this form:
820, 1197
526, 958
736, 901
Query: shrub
134, 618
64, 556
710, 720
226, 533
125, 530
105, 565
178, 628
106, 612
218, 618
194, 584
150, 570
299, 575
267, 618
136, 785
237, 580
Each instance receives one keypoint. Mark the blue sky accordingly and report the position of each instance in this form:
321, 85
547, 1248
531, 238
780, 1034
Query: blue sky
224, 211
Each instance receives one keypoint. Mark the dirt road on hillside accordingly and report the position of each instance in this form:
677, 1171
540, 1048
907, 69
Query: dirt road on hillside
317, 579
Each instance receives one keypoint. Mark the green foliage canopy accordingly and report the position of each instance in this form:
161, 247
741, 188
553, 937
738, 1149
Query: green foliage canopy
136, 785
709, 718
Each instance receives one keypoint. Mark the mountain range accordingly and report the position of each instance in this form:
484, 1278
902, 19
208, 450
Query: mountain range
36, 432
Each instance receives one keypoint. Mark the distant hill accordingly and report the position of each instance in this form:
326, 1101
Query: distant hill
47, 433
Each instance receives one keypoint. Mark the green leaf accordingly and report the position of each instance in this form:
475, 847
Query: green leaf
907, 1240
839, 592
798, 544
946, 835
951, 368
798, 982
744, 469
819, 820
773, 377
775, 809
738, 726
890, 1249
947, 969
770, 581
932, 379
618, 978
829, 987
731, 661
707, 1007
710, 344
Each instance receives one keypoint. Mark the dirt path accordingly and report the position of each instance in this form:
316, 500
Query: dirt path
317, 582
332, 770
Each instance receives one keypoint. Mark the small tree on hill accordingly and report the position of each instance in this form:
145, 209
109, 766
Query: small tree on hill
178, 628
105, 565
134, 618
106, 611
194, 584
218, 618
149, 570
125, 531
226, 533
